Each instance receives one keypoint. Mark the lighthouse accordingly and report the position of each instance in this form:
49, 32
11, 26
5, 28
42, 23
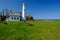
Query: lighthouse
23, 11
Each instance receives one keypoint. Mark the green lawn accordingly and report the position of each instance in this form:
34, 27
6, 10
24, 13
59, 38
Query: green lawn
41, 30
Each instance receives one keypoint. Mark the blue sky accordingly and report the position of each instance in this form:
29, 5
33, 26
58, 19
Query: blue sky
39, 9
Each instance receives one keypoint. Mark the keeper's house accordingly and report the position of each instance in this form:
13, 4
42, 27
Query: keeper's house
14, 17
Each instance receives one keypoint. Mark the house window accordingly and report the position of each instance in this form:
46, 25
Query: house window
14, 18
17, 18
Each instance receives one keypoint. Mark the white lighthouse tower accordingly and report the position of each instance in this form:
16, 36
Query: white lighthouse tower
23, 11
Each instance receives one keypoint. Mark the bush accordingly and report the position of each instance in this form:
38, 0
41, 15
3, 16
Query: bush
3, 18
29, 18
5, 22
29, 23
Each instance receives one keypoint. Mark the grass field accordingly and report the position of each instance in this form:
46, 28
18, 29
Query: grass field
41, 30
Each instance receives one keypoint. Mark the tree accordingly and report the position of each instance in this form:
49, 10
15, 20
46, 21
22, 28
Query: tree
2, 18
29, 17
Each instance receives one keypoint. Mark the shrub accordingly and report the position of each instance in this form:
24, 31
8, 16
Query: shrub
3, 18
29, 23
